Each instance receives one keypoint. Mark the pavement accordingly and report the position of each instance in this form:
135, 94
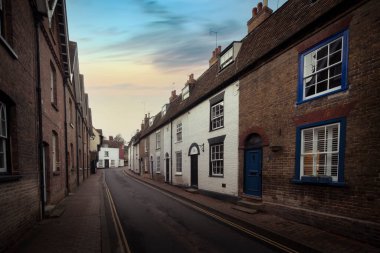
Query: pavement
83, 226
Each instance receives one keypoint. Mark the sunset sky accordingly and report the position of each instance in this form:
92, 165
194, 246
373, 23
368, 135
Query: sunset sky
132, 53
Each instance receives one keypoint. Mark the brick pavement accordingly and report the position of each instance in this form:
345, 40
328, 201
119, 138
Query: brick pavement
304, 236
78, 229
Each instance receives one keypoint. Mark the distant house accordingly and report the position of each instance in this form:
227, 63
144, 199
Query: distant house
111, 154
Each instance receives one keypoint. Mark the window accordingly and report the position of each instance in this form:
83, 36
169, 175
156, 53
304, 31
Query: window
3, 138
158, 140
164, 108
53, 85
113, 163
106, 154
320, 151
146, 165
158, 164
185, 92
146, 145
226, 58
217, 116
178, 162
323, 69
55, 151
100, 164
179, 132
216, 160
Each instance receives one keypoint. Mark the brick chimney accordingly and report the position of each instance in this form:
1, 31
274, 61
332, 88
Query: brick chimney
215, 55
259, 14
146, 120
173, 96
111, 138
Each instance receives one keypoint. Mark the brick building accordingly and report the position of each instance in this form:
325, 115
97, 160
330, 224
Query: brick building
19, 174
307, 145
38, 149
309, 99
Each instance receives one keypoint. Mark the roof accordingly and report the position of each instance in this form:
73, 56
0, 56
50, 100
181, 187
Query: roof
284, 28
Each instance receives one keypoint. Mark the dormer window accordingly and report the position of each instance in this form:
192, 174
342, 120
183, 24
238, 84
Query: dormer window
185, 92
227, 58
164, 108
229, 54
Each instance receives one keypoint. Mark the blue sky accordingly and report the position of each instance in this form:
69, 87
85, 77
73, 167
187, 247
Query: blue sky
134, 52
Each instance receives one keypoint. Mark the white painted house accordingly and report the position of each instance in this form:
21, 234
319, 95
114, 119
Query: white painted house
109, 158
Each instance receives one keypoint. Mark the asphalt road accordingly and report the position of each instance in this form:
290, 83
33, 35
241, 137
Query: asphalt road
154, 222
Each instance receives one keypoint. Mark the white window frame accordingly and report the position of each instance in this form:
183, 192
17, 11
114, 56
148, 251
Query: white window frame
217, 115
178, 162
3, 136
146, 145
311, 145
227, 58
54, 141
312, 72
179, 132
53, 85
158, 140
217, 159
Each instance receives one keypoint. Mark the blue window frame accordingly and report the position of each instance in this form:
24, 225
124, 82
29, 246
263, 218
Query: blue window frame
320, 152
323, 68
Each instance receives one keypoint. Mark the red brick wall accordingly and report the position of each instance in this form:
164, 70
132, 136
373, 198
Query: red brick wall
53, 117
268, 98
19, 200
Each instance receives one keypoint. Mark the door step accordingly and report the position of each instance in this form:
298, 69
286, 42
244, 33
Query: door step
244, 209
192, 190
52, 211
250, 205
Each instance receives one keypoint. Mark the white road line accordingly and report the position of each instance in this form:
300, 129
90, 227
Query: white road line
217, 217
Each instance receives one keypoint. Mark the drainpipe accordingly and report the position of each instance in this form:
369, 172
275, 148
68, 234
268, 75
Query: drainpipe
37, 21
171, 151
66, 148
77, 138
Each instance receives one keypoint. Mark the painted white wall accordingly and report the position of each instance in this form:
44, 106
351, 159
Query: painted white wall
113, 155
166, 149
196, 129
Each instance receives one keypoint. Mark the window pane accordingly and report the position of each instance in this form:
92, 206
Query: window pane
335, 82
336, 70
336, 45
322, 53
310, 91
322, 86
322, 75
321, 64
336, 57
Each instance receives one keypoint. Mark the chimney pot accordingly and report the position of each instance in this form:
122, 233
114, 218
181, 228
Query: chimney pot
259, 7
254, 12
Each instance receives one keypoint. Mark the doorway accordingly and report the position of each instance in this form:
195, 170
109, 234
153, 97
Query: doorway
253, 166
167, 172
194, 171
106, 163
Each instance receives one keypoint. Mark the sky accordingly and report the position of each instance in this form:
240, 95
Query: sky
133, 53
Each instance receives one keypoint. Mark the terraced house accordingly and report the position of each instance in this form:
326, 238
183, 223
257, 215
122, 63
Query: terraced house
286, 118
38, 108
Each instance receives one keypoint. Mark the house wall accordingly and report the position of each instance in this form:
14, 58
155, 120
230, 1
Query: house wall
197, 130
20, 199
268, 106
52, 115
113, 155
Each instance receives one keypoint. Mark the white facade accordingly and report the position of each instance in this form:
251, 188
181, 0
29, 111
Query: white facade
196, 129
109, 158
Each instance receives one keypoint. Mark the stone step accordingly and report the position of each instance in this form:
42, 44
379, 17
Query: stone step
249, 204
192, 190
244, 209
52, 211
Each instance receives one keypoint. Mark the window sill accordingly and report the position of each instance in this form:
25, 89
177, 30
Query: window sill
178, 141
8, 47
344, 88
9, 178
158, 172
217, 176
322, 181
56, 173
72, 125
213, 130
178, 174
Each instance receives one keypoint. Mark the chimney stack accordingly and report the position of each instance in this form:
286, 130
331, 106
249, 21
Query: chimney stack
173, 96
215, 55
259, 15
146, 120
111, 138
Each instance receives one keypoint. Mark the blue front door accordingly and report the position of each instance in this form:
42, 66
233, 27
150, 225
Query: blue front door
252, 172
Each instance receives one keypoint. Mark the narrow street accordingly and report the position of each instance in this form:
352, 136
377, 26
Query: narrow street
154, 222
